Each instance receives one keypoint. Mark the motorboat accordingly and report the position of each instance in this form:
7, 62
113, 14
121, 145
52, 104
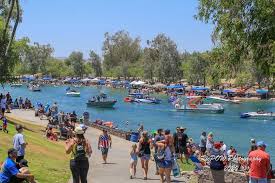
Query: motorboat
195, 104
259, 115
147, 100
129, 99
16, 85
35, 88
223, 100
101, 104
101, 101
141, 98
73, 93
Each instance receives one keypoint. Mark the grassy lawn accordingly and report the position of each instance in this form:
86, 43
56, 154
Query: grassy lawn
47, 160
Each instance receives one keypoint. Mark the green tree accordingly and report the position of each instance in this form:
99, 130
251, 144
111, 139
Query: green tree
245, 29
76, 62
96, 63
120, 51
164, 56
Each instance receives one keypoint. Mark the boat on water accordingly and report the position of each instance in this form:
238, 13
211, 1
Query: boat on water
141, 98
72, 92
16, 85
101, 104
259, 115
35, 88
223, 100
195, 104
101, 101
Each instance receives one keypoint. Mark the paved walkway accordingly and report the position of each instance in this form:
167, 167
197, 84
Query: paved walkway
117, 170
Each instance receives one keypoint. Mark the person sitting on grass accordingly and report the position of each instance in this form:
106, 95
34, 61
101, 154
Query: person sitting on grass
10, 173
50, 134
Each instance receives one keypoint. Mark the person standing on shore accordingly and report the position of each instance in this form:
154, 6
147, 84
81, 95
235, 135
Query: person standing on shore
144, 153
202, 144
259, 164
19, 143
3, 105
80, 150
158, 137
104, 143
209, 142
180, 142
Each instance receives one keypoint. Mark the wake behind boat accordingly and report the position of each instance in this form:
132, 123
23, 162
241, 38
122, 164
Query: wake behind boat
195, 104
16, 85
259, 115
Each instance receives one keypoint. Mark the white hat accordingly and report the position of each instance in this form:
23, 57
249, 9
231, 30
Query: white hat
79, 131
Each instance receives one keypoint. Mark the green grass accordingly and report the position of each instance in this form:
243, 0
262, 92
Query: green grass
47, 159
185, 166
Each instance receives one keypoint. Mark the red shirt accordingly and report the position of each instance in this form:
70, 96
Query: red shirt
259, 163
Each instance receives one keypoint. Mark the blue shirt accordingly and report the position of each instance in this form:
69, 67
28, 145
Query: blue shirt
18, 141
9, 170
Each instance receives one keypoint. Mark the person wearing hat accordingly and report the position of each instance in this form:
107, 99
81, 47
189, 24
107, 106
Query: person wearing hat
80, 150
10, 173
158, 137
180, 143
259, 164
19, 143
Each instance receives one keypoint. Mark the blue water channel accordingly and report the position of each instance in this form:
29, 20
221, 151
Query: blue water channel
227, 127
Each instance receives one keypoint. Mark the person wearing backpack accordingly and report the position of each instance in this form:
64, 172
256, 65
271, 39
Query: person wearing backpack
80, 150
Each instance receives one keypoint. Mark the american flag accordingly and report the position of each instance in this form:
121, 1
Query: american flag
104, 141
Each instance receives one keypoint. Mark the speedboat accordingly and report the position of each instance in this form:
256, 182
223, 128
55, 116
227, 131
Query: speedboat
147, 100
195, 104
73, 93
16, 85
259, 115
35, 88
223, 100
101, 104
141, 98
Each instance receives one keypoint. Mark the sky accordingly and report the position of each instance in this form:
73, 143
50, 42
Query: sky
79, 25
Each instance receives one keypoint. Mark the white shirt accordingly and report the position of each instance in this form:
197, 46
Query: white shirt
3, 103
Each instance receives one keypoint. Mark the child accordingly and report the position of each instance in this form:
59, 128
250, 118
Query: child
5, 124
133, 161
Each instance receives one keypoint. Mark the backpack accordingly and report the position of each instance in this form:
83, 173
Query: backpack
79, 151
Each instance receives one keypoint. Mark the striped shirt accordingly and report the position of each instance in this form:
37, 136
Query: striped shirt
104, 141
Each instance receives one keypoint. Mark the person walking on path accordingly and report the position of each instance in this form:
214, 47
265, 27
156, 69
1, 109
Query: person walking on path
80, 150
133, 161
104, 143
259, 164
158, 137
144, 152
19, 143
164, 156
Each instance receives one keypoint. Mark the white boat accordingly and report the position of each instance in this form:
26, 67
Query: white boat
16, 85
35, 88
73, 93
223, 100
195, 104
259, 115
148, 101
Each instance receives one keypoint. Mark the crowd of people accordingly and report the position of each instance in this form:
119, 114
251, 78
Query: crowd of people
163, 146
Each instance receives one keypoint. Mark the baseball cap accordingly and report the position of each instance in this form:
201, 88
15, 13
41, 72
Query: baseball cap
261, 144
23, 163
182, 128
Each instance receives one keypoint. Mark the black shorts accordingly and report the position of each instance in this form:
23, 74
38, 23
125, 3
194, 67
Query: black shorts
181, 150
3, 110
14, 179
203, 149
